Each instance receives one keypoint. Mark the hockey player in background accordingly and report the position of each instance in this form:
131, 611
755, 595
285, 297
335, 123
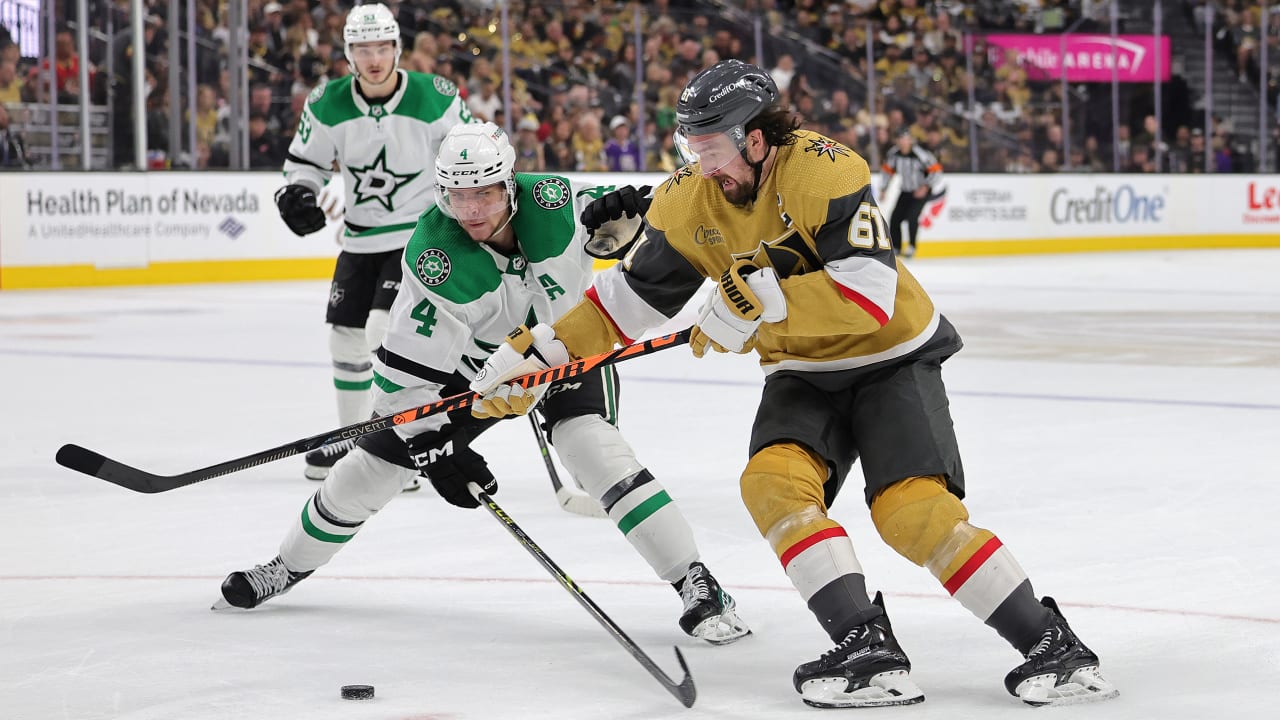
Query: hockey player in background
852, 349
501, 248
920, 177
381, 125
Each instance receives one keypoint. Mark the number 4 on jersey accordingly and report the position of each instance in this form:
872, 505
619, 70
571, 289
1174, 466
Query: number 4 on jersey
425, 313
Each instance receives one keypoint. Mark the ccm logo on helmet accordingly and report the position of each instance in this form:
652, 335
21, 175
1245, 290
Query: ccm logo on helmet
735, 295
465, 173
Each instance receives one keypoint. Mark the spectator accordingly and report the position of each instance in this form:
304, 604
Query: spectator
423, 57
273, 25
783, 72
262, 102
1049, 161
529, 158
588, 144
485, 105
1197, 151
206, 115
688, 61
11, 85
1223, 162
557, 152
1140, 160
67, 66
621, 153
264, 150
13, 147
1178, 158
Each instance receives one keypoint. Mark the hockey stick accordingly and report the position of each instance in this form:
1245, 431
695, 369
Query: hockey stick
684, 691
92, 463
571, 499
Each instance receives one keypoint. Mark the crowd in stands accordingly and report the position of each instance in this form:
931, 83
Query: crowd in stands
575, 81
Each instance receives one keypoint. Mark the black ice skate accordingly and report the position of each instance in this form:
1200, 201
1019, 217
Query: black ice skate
1059, 670
321, 460
867, 669
250, 588
708, 610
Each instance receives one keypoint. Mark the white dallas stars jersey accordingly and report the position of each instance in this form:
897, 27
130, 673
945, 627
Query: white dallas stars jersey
386, 153
459, 298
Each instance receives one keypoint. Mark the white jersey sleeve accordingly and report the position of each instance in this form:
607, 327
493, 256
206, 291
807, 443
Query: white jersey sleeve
311, 153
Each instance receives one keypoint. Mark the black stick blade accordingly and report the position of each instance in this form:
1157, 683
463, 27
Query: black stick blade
96, 465
80, 459
685, 692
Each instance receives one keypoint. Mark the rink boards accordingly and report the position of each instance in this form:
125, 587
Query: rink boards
83, 229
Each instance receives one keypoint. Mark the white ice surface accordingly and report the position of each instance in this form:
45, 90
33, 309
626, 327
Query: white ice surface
1119, 417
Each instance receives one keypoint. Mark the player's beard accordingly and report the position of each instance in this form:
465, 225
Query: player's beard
739, 194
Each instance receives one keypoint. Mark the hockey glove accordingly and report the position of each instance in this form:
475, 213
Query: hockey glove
298, 209
615, 221
446, 460
526, 350
746, 297
330, 199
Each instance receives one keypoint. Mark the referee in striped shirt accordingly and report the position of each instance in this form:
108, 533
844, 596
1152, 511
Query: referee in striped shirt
920, 172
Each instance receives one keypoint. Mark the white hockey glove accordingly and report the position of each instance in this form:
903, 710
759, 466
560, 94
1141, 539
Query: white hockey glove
526, 350
746, 297
331, 198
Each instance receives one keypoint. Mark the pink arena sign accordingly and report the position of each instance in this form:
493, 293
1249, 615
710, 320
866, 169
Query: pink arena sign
1088, 57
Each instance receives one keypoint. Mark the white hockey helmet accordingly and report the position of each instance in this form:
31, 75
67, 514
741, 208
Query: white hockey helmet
471, 156
370, 23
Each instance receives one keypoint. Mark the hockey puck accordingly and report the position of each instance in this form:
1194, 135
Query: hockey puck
357, 692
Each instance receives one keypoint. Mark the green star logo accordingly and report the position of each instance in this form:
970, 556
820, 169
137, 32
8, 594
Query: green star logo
376, 182
551, 193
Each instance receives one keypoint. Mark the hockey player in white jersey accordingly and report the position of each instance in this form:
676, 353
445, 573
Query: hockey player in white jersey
379, 128
500, 249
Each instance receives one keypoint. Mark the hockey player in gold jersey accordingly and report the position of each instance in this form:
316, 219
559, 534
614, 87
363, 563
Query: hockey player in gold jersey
851, 347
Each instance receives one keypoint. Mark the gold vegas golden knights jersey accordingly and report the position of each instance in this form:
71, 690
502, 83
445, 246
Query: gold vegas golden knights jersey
850, 304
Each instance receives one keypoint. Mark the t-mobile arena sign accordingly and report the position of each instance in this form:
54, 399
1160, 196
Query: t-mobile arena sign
1088, 58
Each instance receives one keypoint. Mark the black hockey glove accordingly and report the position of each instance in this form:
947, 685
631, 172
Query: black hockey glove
615, 221
299, 210
625, 200
448, 462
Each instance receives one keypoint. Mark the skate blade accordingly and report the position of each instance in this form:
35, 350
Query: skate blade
221, 604
723, 629
886, 689
315, 472
1084, 685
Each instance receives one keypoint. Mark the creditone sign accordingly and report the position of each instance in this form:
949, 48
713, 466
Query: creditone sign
1087, 58
1111, 204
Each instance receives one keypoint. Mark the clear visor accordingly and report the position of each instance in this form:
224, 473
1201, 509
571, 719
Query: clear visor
713, 152
473, 203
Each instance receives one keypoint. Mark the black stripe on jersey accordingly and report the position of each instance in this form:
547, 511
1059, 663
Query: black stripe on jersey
832, 239
304, 161
620, 490
418, 370
791, 256
329, 517
667, 279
